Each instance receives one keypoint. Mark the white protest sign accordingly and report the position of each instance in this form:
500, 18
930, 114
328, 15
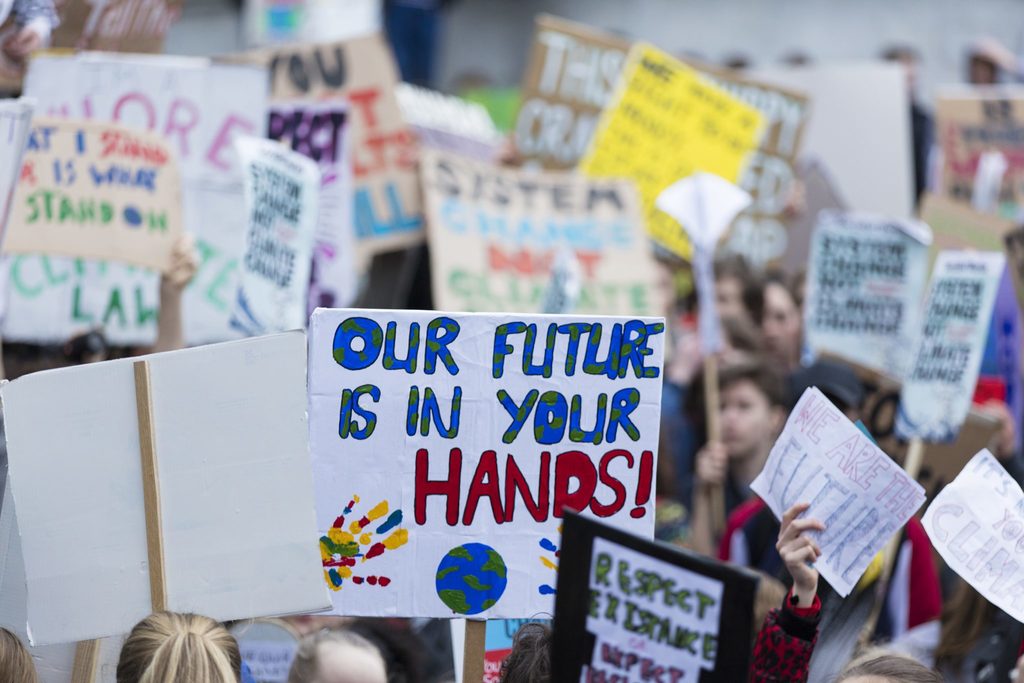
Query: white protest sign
861, 496
234, 483
940, 383
976, 523
864, 288
15, 123
282, 190
445, 447
198, 107
449, 123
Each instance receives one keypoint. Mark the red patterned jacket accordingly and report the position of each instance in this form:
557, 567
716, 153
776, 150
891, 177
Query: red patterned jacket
785, 643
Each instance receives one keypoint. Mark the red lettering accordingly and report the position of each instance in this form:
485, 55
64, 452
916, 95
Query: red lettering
611, 482
568, 466
485, 483
516, 482
147, 108
364, 101
438, 487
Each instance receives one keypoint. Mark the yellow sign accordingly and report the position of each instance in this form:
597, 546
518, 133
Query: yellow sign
667, 122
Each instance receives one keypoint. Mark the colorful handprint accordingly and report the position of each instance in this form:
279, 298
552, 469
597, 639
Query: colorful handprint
341, 550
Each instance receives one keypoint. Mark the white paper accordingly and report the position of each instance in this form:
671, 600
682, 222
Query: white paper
234, 480
857, 491
380, 467
864, 288
15, 123
449, 123
939, 387
977, 523
618, 650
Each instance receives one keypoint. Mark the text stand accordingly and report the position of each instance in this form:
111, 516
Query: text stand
473, 651
87, 654
150, 486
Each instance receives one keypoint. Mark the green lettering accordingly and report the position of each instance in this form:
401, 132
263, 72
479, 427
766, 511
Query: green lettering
19, 284
76, 310
115, 305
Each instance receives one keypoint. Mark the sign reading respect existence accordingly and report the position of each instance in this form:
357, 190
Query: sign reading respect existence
446, 446
630, 610
857, 491
864, 289
96, 190
496, 234
665, 123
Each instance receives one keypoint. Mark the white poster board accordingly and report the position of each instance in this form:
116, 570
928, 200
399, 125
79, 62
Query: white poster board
441, 472
234, 484
15, 123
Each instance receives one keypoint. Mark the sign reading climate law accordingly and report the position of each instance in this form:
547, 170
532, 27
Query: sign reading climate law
496, 234
446, 446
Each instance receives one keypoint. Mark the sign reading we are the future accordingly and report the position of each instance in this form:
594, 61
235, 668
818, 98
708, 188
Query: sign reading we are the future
446, 447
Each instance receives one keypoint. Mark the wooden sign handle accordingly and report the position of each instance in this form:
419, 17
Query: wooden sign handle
87, 654
473, 652
714, 427
150, 486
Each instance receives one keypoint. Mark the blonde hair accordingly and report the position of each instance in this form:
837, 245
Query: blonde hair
304, 666
888, 666
167, 647
15, 661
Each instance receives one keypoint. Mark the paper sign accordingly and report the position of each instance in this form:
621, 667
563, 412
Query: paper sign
857, 491
976, 524
448, 123
570, 78
281, 194
268, 649
234, 481
445, 447
388, 210
320, 131
495, 234
15, 122
665, 123
631, 610
498, 639
937, 392
865, 284
198, 108
97, 190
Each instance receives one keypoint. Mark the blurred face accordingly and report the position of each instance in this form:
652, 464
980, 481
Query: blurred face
781, 325
982, 71
729, 298
749, 420
343, 663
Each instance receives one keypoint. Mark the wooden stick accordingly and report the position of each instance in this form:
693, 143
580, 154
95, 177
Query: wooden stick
87, 655
150, 487
473, 652
714, 427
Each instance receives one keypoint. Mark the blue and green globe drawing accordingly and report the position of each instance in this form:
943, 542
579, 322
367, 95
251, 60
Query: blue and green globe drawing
471, 578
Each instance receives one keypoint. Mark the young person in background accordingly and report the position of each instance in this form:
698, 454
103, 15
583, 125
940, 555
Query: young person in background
15, 662
167, 647
781, 321
338, 656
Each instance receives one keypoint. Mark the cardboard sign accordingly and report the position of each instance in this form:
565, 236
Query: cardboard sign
281, 194
944, 461
957, 226
320, 131
230, 431
495, 234
15, 122
198, 108
665, 123
631, 610
570, 78
857, 491
864, 288
938, 389
972, 121
976, 524
445, 447
449, 124
97, 190
388, 210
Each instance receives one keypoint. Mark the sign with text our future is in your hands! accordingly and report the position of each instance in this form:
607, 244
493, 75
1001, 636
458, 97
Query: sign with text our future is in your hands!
940, 384
857, 491
631, 610
96, 190
446, 447
496, 234
667, 122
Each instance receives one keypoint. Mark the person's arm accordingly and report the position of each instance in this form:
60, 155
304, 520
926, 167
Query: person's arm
36, 20
170, 335
712, 464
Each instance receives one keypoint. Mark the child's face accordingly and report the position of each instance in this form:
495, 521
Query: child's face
749, 420
729, 298
781, 324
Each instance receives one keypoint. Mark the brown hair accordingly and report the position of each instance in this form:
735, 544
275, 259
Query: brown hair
736, 267
742, 335
530, 659
15, 661
762, 374
964, 619
889, 667
166, 647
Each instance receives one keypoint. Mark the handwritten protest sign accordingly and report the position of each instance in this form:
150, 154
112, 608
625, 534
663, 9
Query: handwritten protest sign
281, 196
666, 122
15, 121
96, 190
445, 447
449, 123
852, 486
938, 389
320, 131
631, 610
864, 288
197, 107
976, 525
570, 78
251, 492
495, 235
388, 210
268, 648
